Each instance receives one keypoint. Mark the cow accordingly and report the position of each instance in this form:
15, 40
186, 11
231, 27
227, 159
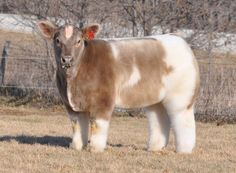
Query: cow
157, 73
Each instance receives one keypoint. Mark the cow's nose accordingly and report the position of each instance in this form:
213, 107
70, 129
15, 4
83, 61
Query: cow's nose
66, 59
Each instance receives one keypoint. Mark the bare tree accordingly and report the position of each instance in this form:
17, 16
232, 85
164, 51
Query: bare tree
141, 14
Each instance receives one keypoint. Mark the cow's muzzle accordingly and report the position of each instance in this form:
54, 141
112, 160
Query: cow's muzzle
66, 61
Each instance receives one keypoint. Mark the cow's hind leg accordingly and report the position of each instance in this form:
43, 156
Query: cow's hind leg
99, 133
80, 123
183, 124
159, 127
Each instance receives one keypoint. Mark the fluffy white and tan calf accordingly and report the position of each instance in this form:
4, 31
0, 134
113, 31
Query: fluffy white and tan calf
158, 73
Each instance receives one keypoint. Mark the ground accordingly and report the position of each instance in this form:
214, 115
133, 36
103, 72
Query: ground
37, 140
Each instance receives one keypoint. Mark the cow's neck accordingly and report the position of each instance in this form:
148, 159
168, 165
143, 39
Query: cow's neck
71, 76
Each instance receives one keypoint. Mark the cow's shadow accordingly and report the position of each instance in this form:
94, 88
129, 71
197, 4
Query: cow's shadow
59, 141
44, 140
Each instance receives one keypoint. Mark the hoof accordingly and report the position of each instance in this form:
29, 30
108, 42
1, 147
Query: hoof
96, 149
184, 151
155, 147
185, 148
76, 146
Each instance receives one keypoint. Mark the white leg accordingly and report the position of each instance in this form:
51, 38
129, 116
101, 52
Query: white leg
183, 124
99, 132
159, 127
80, 123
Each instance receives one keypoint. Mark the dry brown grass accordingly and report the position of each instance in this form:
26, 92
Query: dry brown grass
22, 45
15, 38
228, 58
35, 143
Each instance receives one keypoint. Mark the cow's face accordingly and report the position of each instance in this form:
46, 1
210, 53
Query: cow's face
69, 41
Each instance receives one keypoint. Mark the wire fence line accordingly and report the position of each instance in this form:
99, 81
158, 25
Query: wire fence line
22, 70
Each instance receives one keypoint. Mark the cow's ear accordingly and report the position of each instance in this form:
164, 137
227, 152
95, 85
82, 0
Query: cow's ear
90, 31
47, 29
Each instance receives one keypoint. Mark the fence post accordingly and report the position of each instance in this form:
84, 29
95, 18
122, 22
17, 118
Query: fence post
5, 54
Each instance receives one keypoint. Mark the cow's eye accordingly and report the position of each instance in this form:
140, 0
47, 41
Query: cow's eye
57, 41
77, 43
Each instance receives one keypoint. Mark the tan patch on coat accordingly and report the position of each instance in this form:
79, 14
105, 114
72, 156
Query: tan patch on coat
169, 70
94, 128
68, 31
149, 57
75, 126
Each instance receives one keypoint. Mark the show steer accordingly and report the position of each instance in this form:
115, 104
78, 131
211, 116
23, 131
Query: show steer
157, 73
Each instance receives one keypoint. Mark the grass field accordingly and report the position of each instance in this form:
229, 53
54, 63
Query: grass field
37, 140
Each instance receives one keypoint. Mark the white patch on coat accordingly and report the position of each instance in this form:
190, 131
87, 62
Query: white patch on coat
159, 127
183, 124
115, 51
118, 102
180, 85
178, 53
68, 31
76, 141
69, 96
98, 140
134, 78
180, 90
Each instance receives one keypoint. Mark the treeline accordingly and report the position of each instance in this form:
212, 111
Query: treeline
137, 15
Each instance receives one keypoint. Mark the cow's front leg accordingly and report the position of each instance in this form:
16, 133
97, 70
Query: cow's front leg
80, 123
99, 133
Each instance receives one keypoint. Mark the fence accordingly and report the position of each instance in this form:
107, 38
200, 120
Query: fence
35, 73
25, 74
217, 100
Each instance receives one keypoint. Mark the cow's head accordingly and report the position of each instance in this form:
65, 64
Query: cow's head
69, 41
